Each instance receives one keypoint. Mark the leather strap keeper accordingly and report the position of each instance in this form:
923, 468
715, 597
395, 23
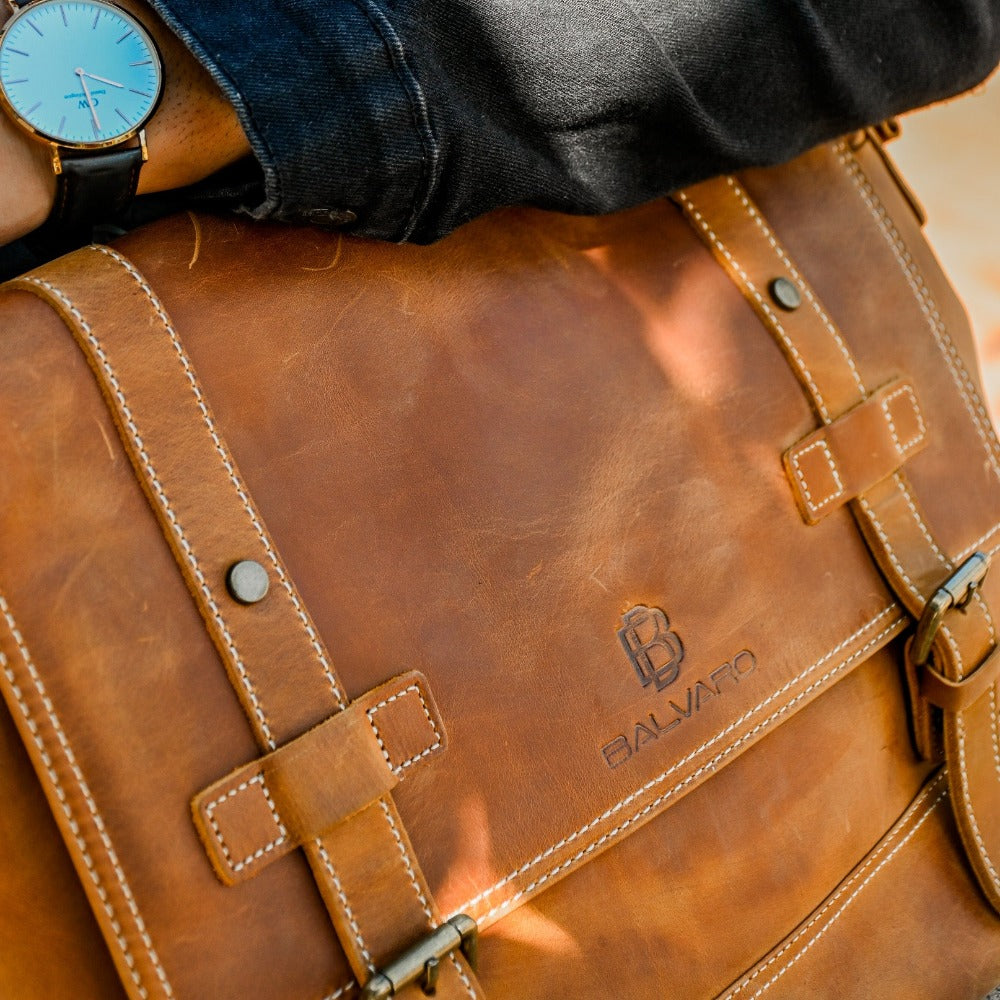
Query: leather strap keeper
956, 696
846, 458
300, 791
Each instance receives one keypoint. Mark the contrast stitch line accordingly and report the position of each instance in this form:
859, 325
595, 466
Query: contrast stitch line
761, 302
898, 566
904, 447
95, 814
970, 813
654, 782
751, 210
238, 866
337, 994
371, 713
421, 896
175, 525
977, 597
227, 464
465, 979
994, 728
815, 505
412, 875
708, 767
979, 544
850, 899
348, 912
960, 375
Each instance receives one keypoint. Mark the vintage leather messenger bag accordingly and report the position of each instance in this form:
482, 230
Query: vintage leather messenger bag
576, 608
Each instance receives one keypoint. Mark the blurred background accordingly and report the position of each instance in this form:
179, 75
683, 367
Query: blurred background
946, 153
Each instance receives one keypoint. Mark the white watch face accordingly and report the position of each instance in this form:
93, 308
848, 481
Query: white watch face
82, 73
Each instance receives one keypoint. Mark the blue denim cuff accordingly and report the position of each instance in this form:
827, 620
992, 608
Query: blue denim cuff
329, 103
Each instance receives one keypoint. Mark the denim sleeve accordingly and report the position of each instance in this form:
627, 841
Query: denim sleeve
405, 118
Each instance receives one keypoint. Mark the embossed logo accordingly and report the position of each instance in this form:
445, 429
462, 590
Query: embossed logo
655, 650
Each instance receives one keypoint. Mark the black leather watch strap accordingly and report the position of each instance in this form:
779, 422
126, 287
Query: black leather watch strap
94, 187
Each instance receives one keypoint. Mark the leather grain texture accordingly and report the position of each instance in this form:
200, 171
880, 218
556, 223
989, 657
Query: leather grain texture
541, 463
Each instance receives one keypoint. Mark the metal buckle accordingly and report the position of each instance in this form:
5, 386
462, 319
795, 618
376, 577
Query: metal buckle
422, 962
954, 593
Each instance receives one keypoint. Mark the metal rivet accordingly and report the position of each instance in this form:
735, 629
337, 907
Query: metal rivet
247, 581
786, 293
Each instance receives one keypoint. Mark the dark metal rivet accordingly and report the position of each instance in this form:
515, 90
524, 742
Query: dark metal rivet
786, 293
247, 581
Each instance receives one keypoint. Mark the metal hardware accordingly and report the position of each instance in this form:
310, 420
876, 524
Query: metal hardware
247, 581
422, 963
954, 594
786, 293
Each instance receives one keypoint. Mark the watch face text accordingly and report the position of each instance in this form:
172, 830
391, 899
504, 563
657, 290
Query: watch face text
79, 72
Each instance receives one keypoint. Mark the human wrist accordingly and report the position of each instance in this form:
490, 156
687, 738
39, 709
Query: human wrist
195, 130
194, 133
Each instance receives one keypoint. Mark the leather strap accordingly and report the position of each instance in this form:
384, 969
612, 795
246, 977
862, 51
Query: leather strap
912, 559
364, 866
92, 188
847, 457
305, 788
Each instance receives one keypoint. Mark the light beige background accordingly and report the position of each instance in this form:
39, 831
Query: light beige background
951, 156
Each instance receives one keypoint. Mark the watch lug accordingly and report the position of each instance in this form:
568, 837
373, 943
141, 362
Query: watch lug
143, 146
14, 6
56, 161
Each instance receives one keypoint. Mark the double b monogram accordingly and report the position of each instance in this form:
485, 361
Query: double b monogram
655, 651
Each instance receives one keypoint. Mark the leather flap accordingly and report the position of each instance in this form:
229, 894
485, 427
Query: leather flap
539, 462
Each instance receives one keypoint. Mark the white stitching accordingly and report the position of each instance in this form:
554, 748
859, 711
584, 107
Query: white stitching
978, 545
348, 912
890, 551
751, 209
973, 404
790, 346
708, 767
963, 779
844, 888
371, 712
995, 733
421, 896
815, 505
175, 525
721, 735
465, 979
337, 994
425, 904
95, 815
231, 472
236, 867
898, 566
904, 447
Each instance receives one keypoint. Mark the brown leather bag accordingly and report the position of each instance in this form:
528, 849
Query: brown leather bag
554, 582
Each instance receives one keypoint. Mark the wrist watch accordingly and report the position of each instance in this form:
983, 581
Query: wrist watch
83, 76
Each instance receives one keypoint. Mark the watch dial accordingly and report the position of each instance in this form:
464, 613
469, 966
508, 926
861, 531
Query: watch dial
80, 72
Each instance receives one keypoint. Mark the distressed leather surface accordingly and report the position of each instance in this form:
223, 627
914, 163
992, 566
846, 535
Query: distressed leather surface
475, 459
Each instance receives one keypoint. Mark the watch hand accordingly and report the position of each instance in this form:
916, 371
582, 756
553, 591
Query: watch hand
101, 79
90, 100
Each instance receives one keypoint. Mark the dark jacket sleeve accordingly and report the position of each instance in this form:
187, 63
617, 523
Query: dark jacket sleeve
410, 117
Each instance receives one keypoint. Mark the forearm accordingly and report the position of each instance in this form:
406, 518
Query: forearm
194, 133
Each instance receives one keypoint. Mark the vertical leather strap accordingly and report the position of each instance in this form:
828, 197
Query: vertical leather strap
279, 667
913, 560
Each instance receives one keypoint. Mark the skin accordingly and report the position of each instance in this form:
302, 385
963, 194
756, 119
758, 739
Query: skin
194, 133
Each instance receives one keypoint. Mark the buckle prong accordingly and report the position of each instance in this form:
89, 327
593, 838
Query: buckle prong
954, 594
